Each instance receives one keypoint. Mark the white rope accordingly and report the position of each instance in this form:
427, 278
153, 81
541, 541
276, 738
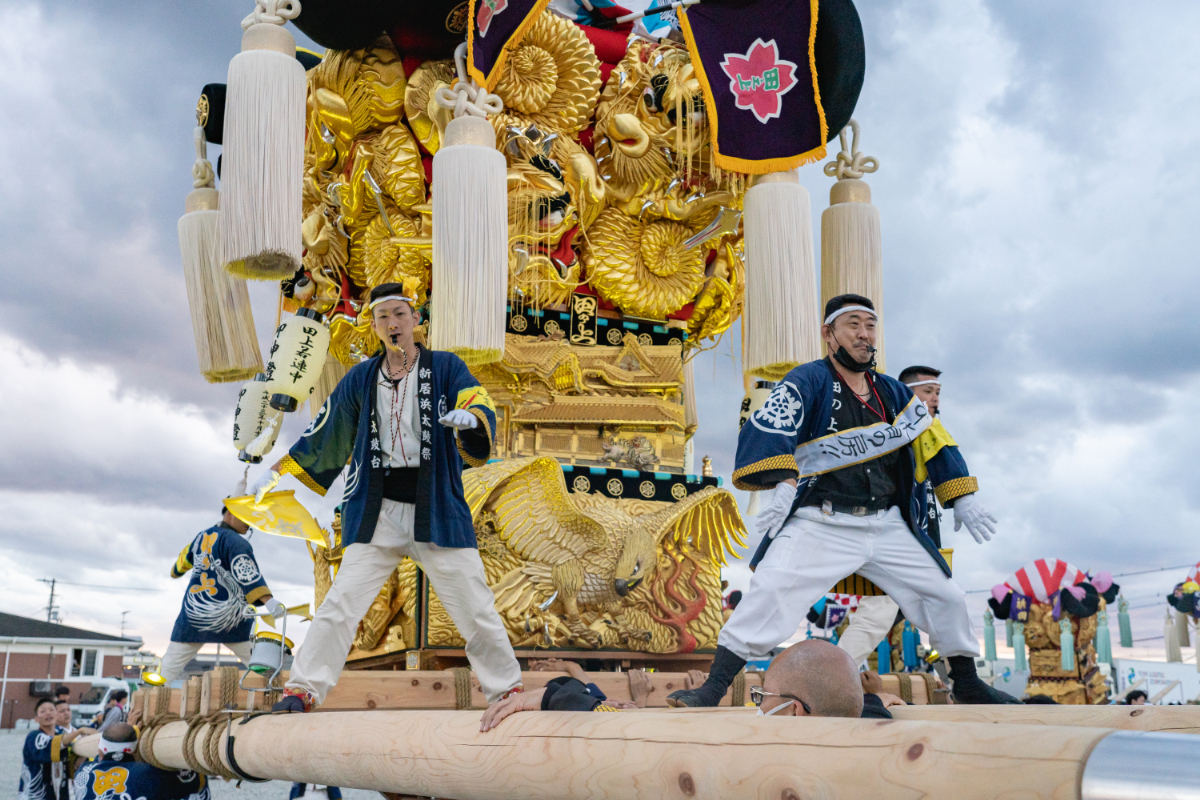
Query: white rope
467, 97
851, 163
273, 12
203, 176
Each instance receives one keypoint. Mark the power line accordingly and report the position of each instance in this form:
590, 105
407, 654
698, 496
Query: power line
113, 588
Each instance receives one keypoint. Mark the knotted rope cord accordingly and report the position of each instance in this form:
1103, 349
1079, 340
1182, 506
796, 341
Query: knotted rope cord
851, 163
467, 97
905, 687
462, 688
739, 690
203, 176
273, 12
228, 696
157, 712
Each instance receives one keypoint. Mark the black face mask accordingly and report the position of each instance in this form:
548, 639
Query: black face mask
846, 360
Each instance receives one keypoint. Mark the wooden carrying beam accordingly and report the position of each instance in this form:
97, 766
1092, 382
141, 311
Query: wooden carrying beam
1168, 719
653, 755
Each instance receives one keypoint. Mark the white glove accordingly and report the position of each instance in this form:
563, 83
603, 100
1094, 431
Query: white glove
278, 610
265, 483
460, 419
770, 520
979, 521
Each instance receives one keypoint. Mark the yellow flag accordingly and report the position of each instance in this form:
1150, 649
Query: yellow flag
279, 514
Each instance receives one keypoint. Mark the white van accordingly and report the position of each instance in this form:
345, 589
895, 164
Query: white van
94, 700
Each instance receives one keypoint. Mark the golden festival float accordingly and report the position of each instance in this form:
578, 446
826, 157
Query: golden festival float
623, 255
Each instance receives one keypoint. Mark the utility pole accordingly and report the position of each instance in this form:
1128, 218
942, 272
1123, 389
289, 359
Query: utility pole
51, 609
123, 614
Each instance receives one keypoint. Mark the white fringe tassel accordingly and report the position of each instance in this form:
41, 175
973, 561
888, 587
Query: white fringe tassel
226, 345
851, 241
852, 259
782, 320
263, 162
470, 238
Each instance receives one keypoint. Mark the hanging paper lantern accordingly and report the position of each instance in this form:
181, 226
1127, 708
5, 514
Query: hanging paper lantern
297, 359
851, 242
989, 636
263, 149
781, 315
254, 415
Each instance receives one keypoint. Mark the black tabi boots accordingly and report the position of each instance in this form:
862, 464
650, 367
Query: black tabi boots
969, 688
725, 668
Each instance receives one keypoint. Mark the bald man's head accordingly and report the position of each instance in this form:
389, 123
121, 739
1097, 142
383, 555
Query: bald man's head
120, 732
820, 674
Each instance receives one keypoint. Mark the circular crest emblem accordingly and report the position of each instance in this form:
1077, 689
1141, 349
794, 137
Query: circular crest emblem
244, 569
782, 413
552, 328
645, 339
581, 484
679, 491
647, 489
518, 323
615, 487
456, 20
614, 336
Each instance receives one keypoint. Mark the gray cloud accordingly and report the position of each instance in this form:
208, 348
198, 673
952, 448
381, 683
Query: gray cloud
1037, 201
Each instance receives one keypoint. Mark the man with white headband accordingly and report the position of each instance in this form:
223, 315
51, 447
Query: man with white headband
400, 426
836, 441
116, 774
876, 615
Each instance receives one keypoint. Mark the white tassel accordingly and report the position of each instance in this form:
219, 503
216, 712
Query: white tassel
263, 163
470, 228
851, 241
222, 322
1171, 635
781, 318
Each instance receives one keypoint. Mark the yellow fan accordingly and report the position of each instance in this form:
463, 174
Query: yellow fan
279, 514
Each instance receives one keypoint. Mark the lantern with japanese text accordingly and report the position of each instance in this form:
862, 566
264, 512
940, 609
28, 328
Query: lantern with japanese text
297, 358
251, 416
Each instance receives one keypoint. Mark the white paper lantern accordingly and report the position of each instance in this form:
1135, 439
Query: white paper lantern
251, 415
297, 358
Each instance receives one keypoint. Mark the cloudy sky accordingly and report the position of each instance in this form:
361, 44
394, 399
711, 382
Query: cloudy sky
1038, 198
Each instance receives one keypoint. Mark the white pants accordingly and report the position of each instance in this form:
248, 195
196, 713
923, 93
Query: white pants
815, 550
456, 574
868, 625
180, 653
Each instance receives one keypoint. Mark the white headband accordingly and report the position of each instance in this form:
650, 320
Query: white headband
106, 746
374, 303
924, 383
846, 310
